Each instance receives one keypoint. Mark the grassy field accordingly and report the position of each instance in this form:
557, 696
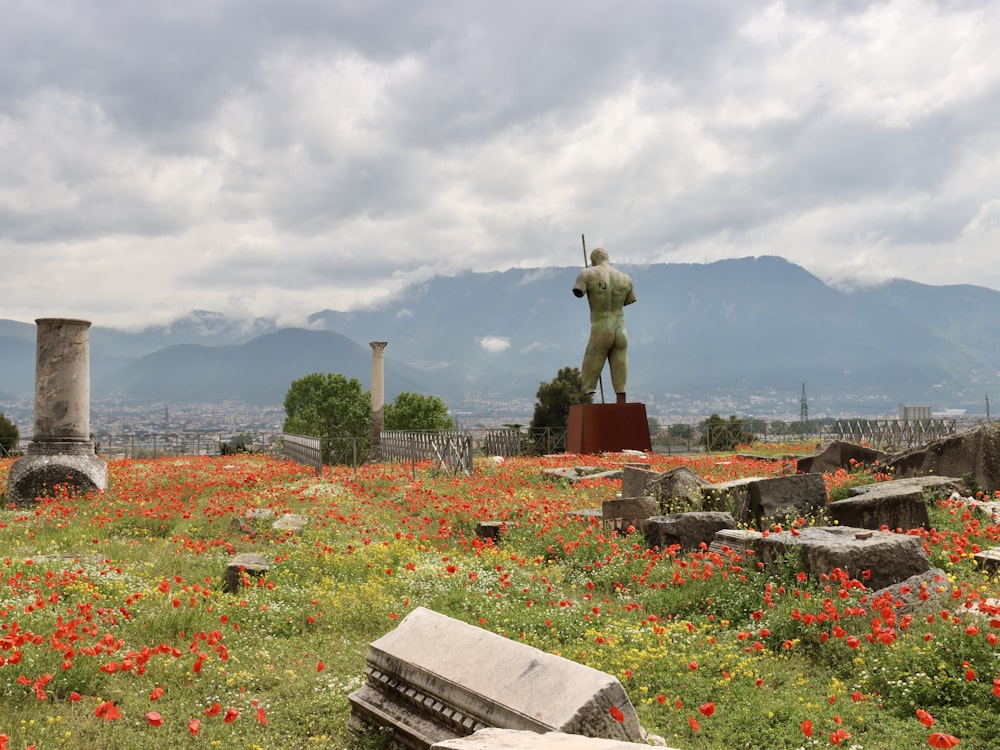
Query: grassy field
115, 631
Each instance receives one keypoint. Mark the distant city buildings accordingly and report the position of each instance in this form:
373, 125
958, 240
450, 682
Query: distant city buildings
915, 413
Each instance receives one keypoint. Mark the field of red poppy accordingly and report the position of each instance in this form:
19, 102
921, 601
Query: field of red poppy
115, 631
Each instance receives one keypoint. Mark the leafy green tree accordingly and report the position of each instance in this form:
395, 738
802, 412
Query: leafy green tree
9, 436
681, 431
331, 407
414, 411
555, 398
719, 435
551, 417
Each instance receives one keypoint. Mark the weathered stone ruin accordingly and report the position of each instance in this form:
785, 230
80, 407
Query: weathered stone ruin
435, 679
876, 558
973, 455
836, 454
776, 518
513, 739
61, 451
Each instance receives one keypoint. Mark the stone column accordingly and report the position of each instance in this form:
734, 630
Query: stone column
378, 396
60, 451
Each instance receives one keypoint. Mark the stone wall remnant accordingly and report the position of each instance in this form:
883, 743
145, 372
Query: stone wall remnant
973, 455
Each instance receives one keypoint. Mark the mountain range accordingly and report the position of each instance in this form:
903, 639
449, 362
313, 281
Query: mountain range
742, 334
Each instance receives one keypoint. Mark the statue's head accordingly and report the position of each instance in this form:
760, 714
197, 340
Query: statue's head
598, 255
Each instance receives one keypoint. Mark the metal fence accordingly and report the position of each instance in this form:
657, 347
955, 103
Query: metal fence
894, 433
304, 449
451, 448
192, 443
885, 434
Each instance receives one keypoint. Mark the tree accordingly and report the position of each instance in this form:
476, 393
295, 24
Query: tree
555, 398
680, 431
414, 411
551, 417
9, 436
719, 435
331, 407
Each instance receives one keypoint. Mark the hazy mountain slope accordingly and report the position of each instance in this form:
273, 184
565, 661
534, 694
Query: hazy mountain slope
257, 372
735, 326
729, 331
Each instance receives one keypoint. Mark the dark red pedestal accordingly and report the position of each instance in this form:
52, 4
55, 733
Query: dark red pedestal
599, 428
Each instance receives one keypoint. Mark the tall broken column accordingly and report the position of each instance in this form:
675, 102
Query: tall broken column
61, 451
378, 396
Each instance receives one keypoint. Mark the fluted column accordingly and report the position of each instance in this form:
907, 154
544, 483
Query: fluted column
378, 396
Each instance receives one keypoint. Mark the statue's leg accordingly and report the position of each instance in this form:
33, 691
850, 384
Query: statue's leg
618, 360
593, 359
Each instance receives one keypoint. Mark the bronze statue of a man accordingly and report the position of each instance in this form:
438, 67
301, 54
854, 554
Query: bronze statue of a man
608, 290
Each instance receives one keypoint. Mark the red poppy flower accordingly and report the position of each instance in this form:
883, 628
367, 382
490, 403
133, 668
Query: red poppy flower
156, 693
108, 711
837, 736
807, 728
154, 719
707, 709
940, 739
214, 709
261, 716
693, 723
231, 715
925, 718
320, 666
616, 714
194, 726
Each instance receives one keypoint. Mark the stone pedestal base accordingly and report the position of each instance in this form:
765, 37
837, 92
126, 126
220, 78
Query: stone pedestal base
600, 428
47, 464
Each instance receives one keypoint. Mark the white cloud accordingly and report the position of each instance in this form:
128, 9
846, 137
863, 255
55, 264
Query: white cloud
495, 344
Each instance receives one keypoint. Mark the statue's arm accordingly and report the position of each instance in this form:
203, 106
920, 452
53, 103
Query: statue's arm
580, 287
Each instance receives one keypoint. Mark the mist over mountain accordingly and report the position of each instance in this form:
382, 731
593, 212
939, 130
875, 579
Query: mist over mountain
741, 334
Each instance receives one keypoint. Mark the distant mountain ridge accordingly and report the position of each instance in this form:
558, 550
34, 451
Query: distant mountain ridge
741, 334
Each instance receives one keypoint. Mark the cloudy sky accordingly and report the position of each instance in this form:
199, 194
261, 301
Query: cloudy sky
257, 157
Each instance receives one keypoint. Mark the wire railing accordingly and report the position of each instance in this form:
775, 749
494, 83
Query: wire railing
886, 434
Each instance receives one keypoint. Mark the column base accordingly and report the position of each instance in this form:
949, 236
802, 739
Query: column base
44, 466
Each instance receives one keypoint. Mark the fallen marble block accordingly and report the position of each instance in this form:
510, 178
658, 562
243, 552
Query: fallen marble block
513, 739
434, 678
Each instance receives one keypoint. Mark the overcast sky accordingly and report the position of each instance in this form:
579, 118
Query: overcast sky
280, 158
